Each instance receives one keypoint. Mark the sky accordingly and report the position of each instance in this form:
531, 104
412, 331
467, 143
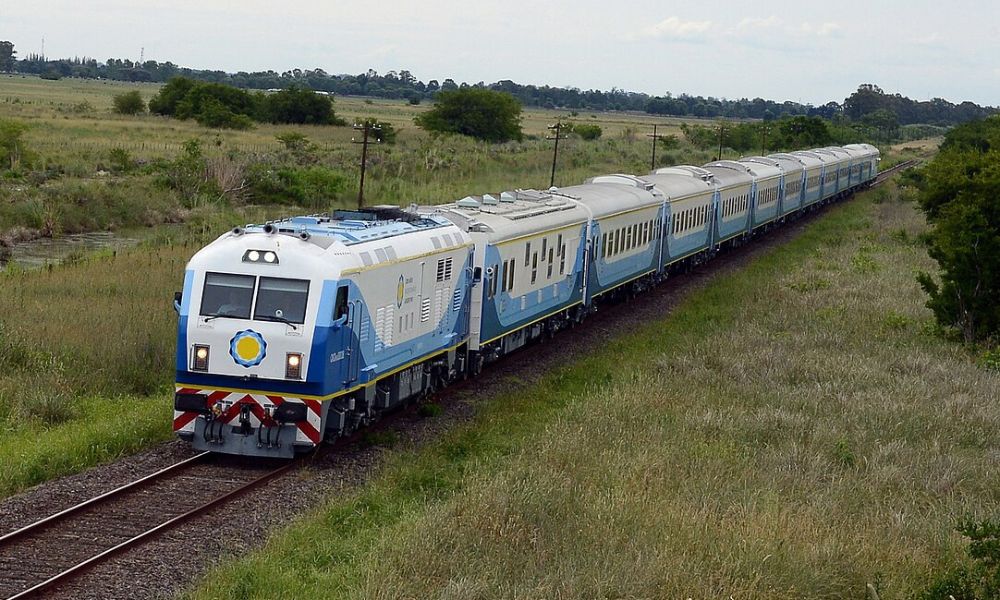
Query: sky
809, 52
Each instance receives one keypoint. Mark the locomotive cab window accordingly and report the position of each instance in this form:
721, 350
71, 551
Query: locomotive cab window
227, 295
340, 306
281, 300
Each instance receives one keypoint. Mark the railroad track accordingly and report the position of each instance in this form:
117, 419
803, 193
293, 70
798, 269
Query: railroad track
883, 175
58, 548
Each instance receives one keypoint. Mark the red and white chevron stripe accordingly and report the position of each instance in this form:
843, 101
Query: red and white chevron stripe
308, 431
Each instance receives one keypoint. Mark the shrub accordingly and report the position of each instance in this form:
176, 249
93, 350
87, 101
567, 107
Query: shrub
213, 113
483, 114
129, 103
12, 149
587, 131
981, 579
313, 187
121, 161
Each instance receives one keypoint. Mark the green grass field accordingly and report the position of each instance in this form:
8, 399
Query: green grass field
794, 430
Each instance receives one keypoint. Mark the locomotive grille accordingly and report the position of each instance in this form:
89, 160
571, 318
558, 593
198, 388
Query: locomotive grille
425, 310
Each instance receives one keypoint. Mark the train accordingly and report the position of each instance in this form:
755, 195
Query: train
305, 329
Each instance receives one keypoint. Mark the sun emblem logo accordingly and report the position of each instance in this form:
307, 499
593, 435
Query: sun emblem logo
400, 288
248, 348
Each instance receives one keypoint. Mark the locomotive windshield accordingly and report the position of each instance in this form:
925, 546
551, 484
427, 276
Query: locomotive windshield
282, 300
227, 295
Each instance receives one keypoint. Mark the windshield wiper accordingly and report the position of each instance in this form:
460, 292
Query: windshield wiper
278, 319
223, 315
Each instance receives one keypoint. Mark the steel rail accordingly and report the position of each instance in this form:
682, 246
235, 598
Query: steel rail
76, 570
18, 533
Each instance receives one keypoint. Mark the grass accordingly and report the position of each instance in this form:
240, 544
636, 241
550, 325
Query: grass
73, 184
773, 438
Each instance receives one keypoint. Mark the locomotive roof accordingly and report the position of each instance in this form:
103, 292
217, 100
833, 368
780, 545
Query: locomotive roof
351, 227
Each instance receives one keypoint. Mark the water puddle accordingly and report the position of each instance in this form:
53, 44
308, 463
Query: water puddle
38, 253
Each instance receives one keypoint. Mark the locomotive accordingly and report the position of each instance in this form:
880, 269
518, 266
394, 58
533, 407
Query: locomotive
305, 329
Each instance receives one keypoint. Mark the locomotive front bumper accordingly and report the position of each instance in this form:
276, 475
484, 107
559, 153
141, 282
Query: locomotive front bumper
247, 424
212, 436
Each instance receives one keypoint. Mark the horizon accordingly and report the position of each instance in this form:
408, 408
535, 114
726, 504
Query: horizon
726, 53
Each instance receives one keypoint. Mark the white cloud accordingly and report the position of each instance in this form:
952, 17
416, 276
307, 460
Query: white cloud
751, 24
675, 28
822, 30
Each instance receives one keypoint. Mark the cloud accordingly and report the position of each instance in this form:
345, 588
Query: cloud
676, 29
808, 30
756, 24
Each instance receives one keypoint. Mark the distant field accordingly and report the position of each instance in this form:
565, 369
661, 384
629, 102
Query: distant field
794, 430
66, 125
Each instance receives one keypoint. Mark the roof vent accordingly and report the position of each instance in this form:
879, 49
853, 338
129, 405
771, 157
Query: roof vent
467, 202
488, 199
507, 197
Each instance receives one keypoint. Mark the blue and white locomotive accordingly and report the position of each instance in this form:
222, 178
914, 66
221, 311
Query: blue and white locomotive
305, 329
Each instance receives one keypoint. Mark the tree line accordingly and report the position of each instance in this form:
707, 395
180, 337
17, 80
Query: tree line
882, 110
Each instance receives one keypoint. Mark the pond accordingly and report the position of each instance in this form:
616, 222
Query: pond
37, 253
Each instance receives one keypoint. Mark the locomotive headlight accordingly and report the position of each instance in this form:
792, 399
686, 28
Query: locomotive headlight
200, 362
293, 365
268, 257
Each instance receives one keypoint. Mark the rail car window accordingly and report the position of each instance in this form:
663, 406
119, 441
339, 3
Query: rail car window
604, 245
281, 299
511, 286
545, 245
562, 259
549, 272
527, 253
534, 267
227, 295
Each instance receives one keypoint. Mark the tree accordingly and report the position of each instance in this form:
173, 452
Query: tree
129, 103
166, 100
298, 105
7, 54
479, 113
958, 192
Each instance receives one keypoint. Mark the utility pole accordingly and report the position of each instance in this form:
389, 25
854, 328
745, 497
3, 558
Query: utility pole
652, 161
367, 127
763, 143
555, 151
722, 131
